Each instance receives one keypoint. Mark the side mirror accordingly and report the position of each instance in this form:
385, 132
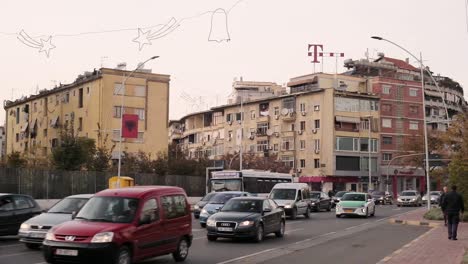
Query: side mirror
145, 219
74, 213
266, 210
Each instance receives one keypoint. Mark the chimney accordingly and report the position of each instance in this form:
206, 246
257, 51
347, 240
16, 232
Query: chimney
407, 60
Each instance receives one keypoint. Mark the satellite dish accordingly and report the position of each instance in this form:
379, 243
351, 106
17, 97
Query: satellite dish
269, 132
285, 111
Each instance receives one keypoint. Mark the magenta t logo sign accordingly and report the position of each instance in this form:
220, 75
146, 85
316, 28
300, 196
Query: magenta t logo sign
315, 53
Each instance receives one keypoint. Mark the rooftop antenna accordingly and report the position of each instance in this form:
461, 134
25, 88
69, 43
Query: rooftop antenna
102, 60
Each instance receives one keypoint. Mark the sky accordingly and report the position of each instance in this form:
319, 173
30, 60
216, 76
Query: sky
268, 41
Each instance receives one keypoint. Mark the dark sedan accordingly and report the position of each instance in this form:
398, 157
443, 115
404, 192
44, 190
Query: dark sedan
337, 196
199, 206
247, 217
320, 201
14, 210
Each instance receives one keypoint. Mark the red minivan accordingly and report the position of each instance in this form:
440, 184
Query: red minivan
123, 226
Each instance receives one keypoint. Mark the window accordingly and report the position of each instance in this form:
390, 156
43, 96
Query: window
386, 156
302, 144
87, 90
17, 137
288, 161
117, 111
413, 125
276, 111
54, 142
346, 163
275, 147
303, 125
387, 140
413, 109
140, 137
302, 107
264, 109
116, 134
386, 107
230, 135
262, 128
118, 89
386, 89
316, 107
262, 145
141, 113
57, 99
289, 103
252, 114
140, 91
288, 143
67, 97
150, 210
80, 98
347, 144
251, 148
174, 206
386, 122
80, 124
317, 123
17, 115
6, 204
239, 116
316, 163
303, 164
413, 92
45, 132
317, 144
374, 106
35, 107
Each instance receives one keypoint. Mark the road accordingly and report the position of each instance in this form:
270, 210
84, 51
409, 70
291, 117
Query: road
323, 238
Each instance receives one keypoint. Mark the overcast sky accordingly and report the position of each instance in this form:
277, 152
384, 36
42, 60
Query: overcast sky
268, 40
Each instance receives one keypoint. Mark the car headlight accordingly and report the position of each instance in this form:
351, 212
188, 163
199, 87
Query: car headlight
246, 223
25, 226
204, 211
313, 203
50, 236
363, 209
399, 199
211, 222
196, 207
338, 206
104, 237
287, 206
414, 199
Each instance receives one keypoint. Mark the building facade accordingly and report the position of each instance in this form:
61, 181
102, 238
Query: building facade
92, 105
2, 142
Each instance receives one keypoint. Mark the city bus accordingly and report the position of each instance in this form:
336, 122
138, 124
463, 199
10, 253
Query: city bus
253, 181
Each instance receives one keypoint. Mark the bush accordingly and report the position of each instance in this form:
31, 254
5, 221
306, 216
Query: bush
436, 214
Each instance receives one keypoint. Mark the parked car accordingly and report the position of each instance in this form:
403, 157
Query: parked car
14, 210
412, 198
294, 198
199, 206
33, 231
123, 226
216, 202
336, 199
247, 217
435, 197
319, 201
355, 203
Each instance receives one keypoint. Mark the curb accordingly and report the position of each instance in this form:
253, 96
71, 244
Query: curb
414, 223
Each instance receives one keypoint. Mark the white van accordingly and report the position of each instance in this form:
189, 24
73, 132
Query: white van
293, 197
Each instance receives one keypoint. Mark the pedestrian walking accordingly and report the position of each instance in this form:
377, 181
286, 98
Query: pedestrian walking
331, 193
441, 203
453, 204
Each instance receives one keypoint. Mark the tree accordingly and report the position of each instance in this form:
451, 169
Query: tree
101, 160
268, 162
73, 152
15, 160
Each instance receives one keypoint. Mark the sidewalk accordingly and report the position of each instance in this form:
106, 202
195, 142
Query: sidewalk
431, 247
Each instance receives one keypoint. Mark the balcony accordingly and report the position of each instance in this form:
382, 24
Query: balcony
290, 117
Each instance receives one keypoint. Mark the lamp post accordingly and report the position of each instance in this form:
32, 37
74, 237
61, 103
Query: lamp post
125, 78
424, 111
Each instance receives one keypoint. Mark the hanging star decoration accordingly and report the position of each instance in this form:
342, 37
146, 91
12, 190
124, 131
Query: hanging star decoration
43, 46
144, 38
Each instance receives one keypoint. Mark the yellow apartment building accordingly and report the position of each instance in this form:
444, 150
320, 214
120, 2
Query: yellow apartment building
90, 104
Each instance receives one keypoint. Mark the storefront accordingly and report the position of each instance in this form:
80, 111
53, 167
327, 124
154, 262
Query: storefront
405, 178
327, 183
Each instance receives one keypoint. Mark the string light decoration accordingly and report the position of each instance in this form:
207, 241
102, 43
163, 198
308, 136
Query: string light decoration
218, 31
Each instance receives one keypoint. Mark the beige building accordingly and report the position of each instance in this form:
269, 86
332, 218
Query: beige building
320, 131
90, 104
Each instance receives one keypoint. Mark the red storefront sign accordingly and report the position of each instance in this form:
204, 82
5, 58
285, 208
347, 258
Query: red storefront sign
307, 179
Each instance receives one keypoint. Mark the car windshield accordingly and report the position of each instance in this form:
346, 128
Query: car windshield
378, 193
221, 198
68, 205
254, 206
435, 193
340, 194
353, 197
109, 209
315, 195
207, 197
408, 194
283, 194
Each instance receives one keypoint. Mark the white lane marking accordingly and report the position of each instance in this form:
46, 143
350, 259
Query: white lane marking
293, 230
247, 256
17, 254
295, 222
196, 238
41, 263
13, 245
198, 229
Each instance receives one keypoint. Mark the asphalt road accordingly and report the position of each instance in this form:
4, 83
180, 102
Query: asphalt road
323, 238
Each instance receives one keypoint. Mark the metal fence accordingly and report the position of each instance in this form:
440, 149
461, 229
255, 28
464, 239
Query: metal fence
53, 184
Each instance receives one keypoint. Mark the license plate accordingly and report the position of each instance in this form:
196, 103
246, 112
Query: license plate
37, 235
225, 229
66, 252
349, 210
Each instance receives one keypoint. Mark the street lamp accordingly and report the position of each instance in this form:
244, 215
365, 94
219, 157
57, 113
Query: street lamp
125, 78
424, 110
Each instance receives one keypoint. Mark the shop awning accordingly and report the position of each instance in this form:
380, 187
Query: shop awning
25, 127
54, 122
433, 93
348, 119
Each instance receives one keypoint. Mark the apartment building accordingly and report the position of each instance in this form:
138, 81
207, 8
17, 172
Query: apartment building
2, 142
92, 104
320, 130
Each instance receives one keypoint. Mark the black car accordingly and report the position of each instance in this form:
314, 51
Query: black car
247, 217
320, 201
199, 206
337, 197
14, 210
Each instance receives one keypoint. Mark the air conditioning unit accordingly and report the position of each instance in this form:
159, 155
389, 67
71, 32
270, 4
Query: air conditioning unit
299, 132
276, 134
251, 137
229, 122
317, 151
239, 122
314, 131
299, 170
303, 113
276, 117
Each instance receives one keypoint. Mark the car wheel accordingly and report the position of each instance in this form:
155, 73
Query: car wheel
259, 236
196, 216
203, 225
398, 205
123, 256
32, 246
280, 233
367, 213
338, 216
182, 251
294, 214
211, 238
373, 212
307, 213
329, 207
